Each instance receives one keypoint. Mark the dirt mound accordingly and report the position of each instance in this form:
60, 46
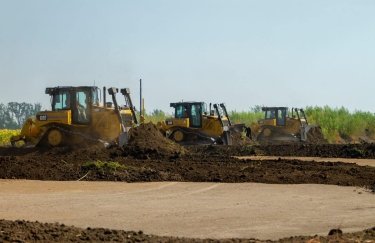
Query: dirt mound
146, 141
24, 231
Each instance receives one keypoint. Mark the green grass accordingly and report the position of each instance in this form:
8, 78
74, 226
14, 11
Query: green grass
155, 116
103, 166
339, 123
245, 117
6, 134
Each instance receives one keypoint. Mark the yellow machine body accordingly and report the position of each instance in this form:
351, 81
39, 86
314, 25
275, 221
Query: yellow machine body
211, 125
49, 127
192, 124
282, 125
292, 125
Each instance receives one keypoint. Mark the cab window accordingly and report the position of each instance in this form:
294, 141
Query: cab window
82, 107
281, 117
61, 101
181, 112
270, 114
95, 97
196, 115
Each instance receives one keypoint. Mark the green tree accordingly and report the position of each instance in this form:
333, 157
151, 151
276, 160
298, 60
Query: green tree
14, 114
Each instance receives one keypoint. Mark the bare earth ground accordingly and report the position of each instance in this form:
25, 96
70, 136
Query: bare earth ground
173, 205
361, 162
212, 164
198, 210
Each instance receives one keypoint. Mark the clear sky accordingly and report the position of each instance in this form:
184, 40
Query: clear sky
241, 52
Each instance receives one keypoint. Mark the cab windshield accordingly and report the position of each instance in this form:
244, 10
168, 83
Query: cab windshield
61, 101
181, 112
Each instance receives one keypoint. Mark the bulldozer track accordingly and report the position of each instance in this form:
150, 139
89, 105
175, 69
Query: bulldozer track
66, 131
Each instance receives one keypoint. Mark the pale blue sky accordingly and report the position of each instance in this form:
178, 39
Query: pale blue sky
241, 52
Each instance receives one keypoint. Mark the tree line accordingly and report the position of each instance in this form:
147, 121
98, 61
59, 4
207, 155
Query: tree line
14, 114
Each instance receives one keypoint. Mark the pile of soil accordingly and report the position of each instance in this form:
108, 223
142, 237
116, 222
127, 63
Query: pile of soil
147, 141
24, 231
67, 164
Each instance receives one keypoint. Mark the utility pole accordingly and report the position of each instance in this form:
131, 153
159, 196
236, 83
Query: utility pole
141, 103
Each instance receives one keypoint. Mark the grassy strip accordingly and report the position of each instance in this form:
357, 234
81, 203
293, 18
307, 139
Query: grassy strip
340, 123
6, 134
109, 166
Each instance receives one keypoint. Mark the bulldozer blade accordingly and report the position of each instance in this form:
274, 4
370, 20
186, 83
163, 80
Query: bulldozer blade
227, 139
313, 134
123, 139
237, 127
273, 135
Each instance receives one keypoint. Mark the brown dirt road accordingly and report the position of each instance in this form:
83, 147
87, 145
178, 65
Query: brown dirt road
203, 210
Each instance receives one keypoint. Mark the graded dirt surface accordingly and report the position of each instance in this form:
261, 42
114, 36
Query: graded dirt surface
194, 210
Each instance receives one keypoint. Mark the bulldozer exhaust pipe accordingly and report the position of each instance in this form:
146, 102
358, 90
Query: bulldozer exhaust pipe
104, 96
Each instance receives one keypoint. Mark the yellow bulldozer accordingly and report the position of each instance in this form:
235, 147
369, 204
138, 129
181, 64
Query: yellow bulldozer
193, 124
80, 114
281, 125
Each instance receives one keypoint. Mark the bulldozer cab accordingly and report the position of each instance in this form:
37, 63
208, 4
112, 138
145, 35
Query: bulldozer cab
191, 124
190, 110
276, 116
78, 100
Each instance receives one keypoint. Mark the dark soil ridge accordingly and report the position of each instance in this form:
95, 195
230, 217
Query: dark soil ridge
148, 149
25, 231
158, 147
63, 164
301, 150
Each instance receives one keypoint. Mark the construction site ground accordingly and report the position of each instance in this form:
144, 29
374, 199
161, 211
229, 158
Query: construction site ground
192, 210
196, 191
